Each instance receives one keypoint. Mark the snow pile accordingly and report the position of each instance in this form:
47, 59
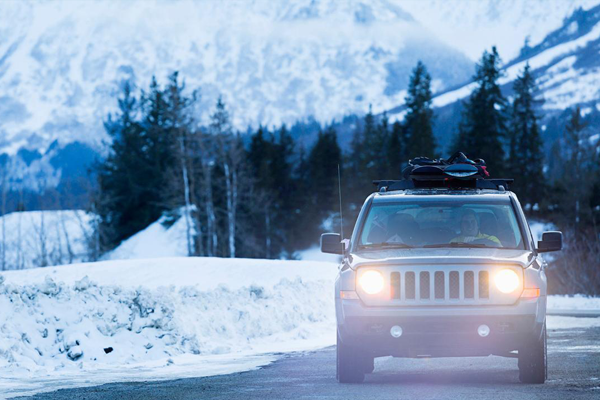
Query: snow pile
158, 317
577, 302
160, 239
39, 238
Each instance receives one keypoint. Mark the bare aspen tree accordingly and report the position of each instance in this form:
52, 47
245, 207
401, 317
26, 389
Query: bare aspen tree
4, 196
231, 157
211, 219
63, 224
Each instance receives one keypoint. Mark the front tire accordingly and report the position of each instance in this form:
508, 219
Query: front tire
350, 366
533, 360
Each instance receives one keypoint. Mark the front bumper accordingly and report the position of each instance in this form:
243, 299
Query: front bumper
439, 331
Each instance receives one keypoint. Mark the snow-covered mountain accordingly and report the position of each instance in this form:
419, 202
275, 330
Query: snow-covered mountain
62, 63
273, 61
474, 26
566, 63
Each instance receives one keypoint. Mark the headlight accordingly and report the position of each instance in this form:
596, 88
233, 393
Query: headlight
507, 281
371, 282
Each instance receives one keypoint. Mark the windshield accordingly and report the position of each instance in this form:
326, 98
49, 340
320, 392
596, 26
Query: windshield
448, 223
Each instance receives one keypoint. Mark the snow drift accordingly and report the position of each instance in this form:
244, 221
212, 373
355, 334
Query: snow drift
157, 317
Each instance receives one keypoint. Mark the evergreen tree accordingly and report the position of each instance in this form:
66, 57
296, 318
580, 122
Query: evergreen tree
579, 166
483, 125
419, 116
282, 154
396, 154
323, 163
125, 202
525, 159
375, 138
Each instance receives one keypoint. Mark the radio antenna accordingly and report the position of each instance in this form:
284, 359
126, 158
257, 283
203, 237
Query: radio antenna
340, 193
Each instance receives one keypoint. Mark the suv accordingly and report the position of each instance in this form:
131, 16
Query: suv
441, 268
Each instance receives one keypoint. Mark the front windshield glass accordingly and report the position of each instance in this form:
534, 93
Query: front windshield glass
449, 223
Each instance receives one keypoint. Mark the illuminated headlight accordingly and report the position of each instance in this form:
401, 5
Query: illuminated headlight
507, 281
371, 282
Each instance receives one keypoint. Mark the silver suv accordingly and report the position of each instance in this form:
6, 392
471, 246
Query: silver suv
440, 272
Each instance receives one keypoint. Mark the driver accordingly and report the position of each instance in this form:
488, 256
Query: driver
469, 230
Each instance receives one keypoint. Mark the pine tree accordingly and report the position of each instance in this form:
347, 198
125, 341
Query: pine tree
396, 153
579, 166
483, 125
323, 161
419, 116
525, 159
375, 138
122, 203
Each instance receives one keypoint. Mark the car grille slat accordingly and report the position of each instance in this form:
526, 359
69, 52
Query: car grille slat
409, 290
484, 285
424, 285
440, 289
469, 283
395, 285
454, 285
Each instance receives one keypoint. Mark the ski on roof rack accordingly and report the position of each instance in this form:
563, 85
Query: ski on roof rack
457, 172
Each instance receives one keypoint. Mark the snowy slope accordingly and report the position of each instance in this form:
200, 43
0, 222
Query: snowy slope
475, 26
61, 63
162, 318
38, 238
566, 64
157, 240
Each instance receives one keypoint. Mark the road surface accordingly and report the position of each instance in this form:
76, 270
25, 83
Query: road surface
574, 372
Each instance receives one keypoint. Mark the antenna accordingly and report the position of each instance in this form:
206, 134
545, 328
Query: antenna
340, 192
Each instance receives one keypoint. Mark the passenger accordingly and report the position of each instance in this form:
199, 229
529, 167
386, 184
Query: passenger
469, 230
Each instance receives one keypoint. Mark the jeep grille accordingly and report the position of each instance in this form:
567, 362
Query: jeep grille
440, 285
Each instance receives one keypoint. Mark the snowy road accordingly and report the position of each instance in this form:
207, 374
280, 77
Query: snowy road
574, 372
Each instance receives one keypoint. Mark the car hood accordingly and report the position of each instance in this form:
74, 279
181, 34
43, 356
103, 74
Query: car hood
450, 256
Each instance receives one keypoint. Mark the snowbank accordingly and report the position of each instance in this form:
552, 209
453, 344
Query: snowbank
151, 319
577, 302
38, 238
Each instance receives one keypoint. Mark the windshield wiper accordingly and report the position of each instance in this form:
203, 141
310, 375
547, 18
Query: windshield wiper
387, 245
455, 244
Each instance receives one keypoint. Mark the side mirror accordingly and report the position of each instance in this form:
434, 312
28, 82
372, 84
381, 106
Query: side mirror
551, 241
332, 243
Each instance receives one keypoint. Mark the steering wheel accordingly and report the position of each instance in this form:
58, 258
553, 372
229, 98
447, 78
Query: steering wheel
486, 242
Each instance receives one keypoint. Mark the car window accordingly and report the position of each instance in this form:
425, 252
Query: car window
448, 223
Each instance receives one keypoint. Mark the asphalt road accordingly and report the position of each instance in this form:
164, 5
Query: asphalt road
574, 372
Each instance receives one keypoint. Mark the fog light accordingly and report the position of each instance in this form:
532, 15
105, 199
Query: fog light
396, 331
483, 330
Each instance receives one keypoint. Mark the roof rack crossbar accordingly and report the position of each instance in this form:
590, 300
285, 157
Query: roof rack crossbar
457, 184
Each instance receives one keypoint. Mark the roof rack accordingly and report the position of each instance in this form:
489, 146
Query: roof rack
457, 172
457, 184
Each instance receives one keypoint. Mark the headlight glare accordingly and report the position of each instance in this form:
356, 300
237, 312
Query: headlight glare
507, 281
371, 282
